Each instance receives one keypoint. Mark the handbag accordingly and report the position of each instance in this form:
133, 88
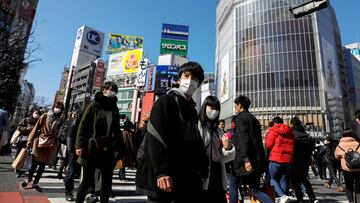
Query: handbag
352, 157
15, 137
46, 141
28, 162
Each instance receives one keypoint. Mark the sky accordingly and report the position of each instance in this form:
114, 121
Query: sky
56, 24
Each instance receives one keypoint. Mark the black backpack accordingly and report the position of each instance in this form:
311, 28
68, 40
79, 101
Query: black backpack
352, 157
62, 132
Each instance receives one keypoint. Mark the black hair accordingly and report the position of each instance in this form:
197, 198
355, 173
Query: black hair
278, 120
128, 125
194, 68
357, 114
271, 124
109, 85
350, 133
37, 111
295, 121
244, 101
215, 104
59, 104
221, 121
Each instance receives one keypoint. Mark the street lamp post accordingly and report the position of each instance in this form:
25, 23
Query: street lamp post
308, 7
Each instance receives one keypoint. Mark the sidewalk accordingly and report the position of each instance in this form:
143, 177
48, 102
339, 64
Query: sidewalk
10, 190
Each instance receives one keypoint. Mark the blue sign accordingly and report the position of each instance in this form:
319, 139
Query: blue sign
166, 78
178, 32
93, 37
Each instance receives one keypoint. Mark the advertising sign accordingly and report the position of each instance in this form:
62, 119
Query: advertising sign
141, 76
118, 43
173, 47
99, 74
150, 78
89, 40
224, 88
126, 62
165, 78
176, 32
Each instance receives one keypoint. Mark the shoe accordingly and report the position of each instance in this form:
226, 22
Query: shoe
29, 185
59, 176
340, 189
284, 199
91, 199
37, 187
327, 185
18, 175
23, 184
315, 201
69, 197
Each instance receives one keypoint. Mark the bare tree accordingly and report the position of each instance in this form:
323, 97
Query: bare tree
16, 53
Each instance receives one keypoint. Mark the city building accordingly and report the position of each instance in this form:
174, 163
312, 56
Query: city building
355, 49
60, 94
25, 102
286, 66
207, 88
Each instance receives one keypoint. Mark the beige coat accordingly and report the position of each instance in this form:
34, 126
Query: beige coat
346, 143
44, 155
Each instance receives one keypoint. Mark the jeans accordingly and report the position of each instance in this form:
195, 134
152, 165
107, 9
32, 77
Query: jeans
253, 180
70, 173
300, 180
279, 173
352, 185
332, 170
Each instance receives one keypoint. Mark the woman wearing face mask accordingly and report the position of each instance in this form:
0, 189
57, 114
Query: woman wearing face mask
218, 149
25, 126
44, 144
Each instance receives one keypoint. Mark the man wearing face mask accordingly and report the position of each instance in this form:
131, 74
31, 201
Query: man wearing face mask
44, 144
25, 126
175, 160
99, 141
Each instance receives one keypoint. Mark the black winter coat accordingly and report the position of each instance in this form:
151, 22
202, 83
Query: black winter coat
248, 145
173, 147
302, 148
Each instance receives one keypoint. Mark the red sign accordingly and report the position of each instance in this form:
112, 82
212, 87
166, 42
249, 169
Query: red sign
99, 74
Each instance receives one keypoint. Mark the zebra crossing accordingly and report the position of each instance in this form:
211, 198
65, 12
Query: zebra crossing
123, 191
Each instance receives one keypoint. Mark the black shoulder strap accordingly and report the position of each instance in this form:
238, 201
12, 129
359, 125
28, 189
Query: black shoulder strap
341, 148
357, 147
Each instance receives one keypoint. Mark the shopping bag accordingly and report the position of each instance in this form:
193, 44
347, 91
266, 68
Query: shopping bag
3, 138
18, 163
27, 163
257, 196
15, 137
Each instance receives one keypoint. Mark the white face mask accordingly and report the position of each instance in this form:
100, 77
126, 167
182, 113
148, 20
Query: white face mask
35, 116
110, 94
57, 110
211, 114
188, 86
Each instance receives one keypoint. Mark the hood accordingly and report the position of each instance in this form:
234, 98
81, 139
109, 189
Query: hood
299, 128
177, 91
281, 129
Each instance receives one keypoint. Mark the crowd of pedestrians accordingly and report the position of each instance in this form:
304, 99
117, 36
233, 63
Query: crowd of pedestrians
181, 155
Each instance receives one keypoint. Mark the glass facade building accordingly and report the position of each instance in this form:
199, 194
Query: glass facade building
279, 62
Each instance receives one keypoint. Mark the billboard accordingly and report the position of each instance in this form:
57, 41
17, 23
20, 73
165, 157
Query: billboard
150, 78
175, 32
165, 78
118, 43
175, 47
224, 88
125, 62
99, 74
89, 40
141, 76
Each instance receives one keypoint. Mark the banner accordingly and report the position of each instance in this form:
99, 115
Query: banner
175, 47
141, 76
150, 78
126, 62
118, 43
99, 74
224, 88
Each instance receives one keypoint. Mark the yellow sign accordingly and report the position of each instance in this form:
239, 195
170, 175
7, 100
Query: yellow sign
131, 61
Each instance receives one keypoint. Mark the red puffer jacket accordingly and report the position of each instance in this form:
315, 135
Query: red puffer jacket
280, 141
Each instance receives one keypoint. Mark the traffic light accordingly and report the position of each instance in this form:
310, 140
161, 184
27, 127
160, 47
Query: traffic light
308, 7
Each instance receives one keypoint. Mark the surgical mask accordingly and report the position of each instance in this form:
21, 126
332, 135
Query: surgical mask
110, 94
188, 86
212, 114
57, 110
36, 116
